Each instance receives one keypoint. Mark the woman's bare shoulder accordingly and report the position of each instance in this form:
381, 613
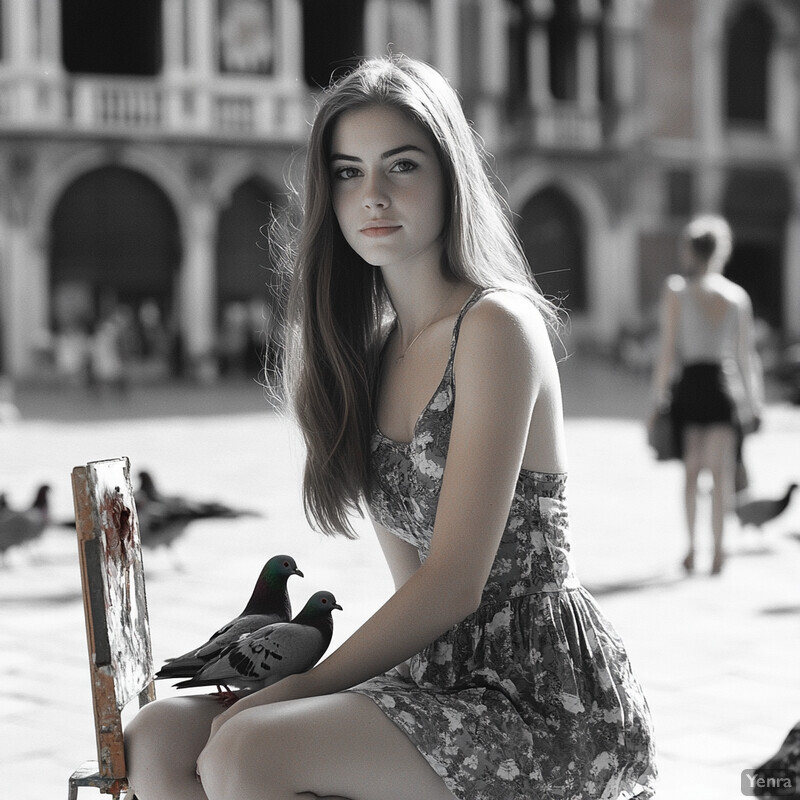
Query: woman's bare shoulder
504, 315
732, 292
504, 331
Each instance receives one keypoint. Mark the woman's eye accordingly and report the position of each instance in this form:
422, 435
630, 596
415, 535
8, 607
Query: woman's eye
345, 173
404, 166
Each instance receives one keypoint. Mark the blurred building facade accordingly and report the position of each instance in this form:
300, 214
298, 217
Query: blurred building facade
143, 145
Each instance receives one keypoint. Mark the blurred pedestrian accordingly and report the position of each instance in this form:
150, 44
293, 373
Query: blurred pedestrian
107, 353
708, 369
490, 672
71, 353
234, 340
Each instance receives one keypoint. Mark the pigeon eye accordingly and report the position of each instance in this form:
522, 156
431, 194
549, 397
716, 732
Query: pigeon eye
324, 601
286, 564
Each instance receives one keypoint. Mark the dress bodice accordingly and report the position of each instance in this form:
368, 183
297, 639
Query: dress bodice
533, 555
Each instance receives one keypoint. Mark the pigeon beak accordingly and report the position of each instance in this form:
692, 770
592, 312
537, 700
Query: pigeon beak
336, 605
297, 572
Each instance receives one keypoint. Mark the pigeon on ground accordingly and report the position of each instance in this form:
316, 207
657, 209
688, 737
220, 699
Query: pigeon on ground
18, 527
269, 603
177, 507
273, 652
759, 512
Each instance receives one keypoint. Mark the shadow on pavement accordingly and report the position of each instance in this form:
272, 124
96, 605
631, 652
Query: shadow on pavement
634, 585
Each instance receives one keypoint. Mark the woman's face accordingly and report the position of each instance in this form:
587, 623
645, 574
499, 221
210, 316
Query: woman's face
388, 188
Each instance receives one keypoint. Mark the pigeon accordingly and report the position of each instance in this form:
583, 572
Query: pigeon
759, 512
164, 518
269, 603
18, 527
274, 651
176, 507
158, 526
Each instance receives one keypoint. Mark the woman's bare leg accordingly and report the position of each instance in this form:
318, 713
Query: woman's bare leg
332, 747
162, 744
721, 454
692, 461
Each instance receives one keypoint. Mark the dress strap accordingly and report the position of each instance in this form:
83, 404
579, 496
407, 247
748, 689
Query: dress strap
471, 300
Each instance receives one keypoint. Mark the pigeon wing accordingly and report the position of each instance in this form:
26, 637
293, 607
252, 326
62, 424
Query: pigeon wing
263, 657
233, 631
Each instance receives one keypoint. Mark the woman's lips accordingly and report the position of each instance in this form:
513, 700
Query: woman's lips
378, 228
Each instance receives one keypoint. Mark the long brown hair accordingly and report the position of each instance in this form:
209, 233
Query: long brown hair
338, 306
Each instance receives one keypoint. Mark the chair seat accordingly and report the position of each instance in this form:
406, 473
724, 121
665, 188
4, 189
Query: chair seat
88, 774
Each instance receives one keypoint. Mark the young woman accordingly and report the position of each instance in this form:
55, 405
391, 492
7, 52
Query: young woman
707, 338
426, 388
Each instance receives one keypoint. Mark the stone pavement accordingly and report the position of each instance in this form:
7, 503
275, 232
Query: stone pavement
717, 656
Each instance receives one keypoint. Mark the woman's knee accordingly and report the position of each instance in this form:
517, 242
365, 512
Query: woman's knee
259, 753
165, 737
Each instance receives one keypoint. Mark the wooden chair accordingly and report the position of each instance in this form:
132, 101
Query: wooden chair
115, 606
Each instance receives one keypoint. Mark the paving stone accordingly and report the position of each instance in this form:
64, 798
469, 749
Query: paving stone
717, 657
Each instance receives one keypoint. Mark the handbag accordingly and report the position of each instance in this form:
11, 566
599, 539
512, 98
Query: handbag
662, 435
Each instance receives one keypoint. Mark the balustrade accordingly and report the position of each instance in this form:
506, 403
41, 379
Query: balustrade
108, 106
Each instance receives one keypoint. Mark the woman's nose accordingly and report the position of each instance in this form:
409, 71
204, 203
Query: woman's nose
376, 193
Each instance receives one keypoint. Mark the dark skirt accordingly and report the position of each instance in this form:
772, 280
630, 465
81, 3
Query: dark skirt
702, 396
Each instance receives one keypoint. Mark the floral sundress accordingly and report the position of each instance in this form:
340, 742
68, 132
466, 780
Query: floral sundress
531, 697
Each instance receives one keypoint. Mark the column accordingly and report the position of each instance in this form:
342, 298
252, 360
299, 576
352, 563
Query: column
290, 41
197, 300
28, 294
538, 54
494, 70
782, 92
624, 43
172, 37
6, 300
376, 27
202, 67
291, 119
791, 273
173, 34
19, 37
50, 35
708, 79
445, 19
20, 41
588, 54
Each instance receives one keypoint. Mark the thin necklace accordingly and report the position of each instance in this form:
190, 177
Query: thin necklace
422, 330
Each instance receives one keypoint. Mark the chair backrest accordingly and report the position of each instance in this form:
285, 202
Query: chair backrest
114, 601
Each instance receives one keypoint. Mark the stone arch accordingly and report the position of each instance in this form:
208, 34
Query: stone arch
248, 286
589, 203
58, 177
114, 237
553, 234
243, 256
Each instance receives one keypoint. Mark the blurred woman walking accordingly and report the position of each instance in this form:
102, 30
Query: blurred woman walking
707, 342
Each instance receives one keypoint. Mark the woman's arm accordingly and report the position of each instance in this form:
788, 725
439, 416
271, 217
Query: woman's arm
402, 557
748, 359
496, 388
668, 334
